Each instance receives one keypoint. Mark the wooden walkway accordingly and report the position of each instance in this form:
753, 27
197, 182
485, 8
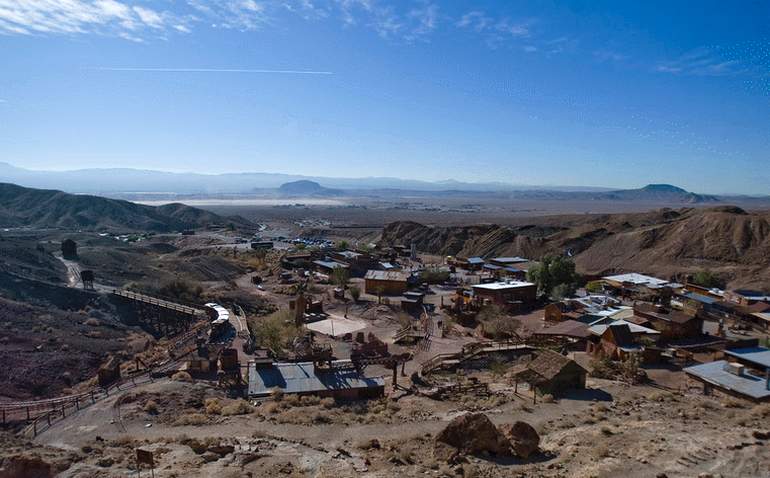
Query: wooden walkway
163, 304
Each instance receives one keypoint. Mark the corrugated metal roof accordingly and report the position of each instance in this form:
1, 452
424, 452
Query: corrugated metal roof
756, 355
637, 279
509, 260
386, 275
715, 373
302, 378
503, 285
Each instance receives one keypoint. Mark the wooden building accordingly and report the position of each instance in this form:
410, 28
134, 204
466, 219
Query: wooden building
672, 324
551, 373
507, 294
385, 282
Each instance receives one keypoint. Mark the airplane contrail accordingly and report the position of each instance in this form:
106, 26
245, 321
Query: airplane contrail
212, 70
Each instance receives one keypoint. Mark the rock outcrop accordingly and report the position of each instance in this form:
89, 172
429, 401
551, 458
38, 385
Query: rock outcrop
523, 438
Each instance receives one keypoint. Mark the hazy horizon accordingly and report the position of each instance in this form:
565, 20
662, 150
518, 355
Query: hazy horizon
596, 94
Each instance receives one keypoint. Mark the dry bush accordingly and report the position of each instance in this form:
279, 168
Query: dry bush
309, 400
182, 377
548, 398
195, 419
327, 402
732, 403
762, 410
213, 406
151, 407
239, 407
92, 322
270, 407
291, 400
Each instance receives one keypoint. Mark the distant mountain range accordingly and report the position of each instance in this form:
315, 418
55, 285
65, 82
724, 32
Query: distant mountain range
126, 180
43, 208
137, 184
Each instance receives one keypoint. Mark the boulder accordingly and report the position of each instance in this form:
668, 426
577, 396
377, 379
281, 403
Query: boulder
472, 433
523, 438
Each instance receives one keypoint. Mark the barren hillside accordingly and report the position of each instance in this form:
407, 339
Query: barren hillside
727, 240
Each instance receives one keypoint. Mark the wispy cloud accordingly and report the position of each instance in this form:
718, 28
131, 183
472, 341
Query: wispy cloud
609, 56
26, 17
211, 70
701, 62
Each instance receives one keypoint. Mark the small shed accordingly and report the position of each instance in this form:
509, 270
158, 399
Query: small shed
552, 373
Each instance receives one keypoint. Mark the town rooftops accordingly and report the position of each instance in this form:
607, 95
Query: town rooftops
548, 364
567, 328
704, 299
386, 275
303, 377
503, 285
752, 295
475, 260
509, 260
745, 384
653, 312
350, 254
330, 264
757, 356
599, 329
637, 279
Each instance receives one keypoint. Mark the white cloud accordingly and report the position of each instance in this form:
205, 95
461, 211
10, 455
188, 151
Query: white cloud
243, 15
108, 17
149, 17
701, 62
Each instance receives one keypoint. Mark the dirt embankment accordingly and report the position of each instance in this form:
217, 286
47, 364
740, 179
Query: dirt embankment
45, 350
731, 242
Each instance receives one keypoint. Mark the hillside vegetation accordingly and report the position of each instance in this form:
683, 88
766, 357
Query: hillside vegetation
727, 240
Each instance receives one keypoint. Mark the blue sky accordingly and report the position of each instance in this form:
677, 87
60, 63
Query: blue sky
599, 93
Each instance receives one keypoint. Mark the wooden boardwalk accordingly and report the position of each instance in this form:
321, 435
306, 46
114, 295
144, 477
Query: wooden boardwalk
163, 304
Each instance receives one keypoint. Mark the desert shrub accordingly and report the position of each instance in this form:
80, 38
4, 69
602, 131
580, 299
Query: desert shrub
238, 407
761, 410
92, 322
309, 400
277, 394
291, 400
194, 419
270, 407
706, 278
213, 406
182, 377
274, 332
548, 398
327, 402
434, 276
151, 407
732, 403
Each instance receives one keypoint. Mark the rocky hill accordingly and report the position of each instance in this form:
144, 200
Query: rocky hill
45, 208
727, 240
306, 188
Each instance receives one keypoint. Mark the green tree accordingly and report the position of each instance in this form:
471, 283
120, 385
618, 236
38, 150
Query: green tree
554, 271
343, 244
340, 277
355, 293
706, 278
275, 332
